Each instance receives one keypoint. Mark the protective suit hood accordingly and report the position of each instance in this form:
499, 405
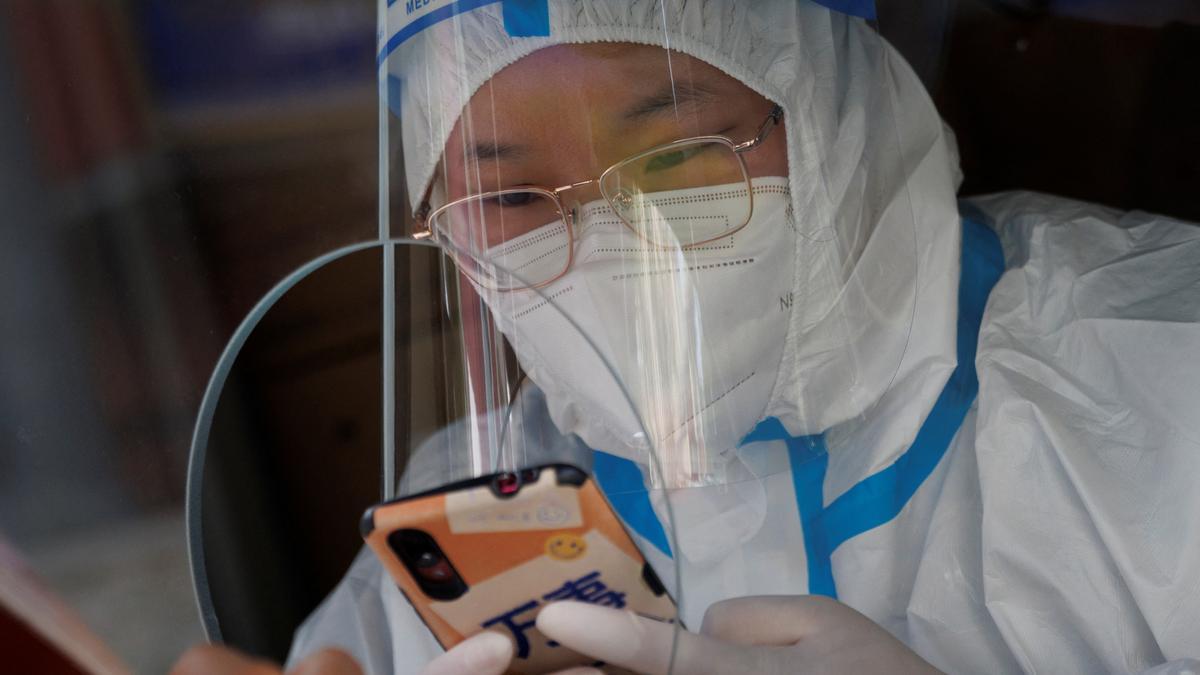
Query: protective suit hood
872, 174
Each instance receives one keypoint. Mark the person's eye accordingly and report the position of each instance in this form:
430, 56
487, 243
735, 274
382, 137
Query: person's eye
513, 199
671, 159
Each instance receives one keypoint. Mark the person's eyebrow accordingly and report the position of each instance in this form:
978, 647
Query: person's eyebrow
484, 151
669, 100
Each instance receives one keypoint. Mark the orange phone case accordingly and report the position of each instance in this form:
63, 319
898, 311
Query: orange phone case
555, 537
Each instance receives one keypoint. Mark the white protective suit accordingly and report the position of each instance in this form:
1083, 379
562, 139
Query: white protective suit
1058, 530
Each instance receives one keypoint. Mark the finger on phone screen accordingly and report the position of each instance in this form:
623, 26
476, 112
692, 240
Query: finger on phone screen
220, 660
327, 662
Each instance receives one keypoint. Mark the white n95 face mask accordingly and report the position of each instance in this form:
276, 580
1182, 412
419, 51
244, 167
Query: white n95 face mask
694, 336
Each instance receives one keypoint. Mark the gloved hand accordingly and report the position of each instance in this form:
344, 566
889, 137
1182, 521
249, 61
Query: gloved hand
487, 653
766, 634
769, 634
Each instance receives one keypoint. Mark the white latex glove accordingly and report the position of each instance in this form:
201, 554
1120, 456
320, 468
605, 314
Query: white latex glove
487, 653
767, 634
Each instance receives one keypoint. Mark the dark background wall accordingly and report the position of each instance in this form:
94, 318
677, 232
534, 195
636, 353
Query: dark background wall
1093, 100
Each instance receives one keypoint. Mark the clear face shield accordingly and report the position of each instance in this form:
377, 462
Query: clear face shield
525, 515
500, 512
689, 245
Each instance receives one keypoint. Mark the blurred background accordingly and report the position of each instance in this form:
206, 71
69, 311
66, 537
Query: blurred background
163, 163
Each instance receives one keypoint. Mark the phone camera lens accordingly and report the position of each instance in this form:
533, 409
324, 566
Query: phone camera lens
508, 484
434, 567
427, 563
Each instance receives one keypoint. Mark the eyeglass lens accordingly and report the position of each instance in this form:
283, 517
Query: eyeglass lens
679, 195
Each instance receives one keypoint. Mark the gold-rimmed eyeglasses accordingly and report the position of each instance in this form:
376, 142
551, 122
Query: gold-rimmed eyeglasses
681, 194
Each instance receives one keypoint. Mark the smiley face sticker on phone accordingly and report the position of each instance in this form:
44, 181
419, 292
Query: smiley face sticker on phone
565, 546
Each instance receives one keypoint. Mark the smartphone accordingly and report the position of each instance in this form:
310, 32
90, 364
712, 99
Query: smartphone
490, 552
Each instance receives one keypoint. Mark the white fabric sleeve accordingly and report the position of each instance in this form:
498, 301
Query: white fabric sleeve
1177, 667
351, 618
